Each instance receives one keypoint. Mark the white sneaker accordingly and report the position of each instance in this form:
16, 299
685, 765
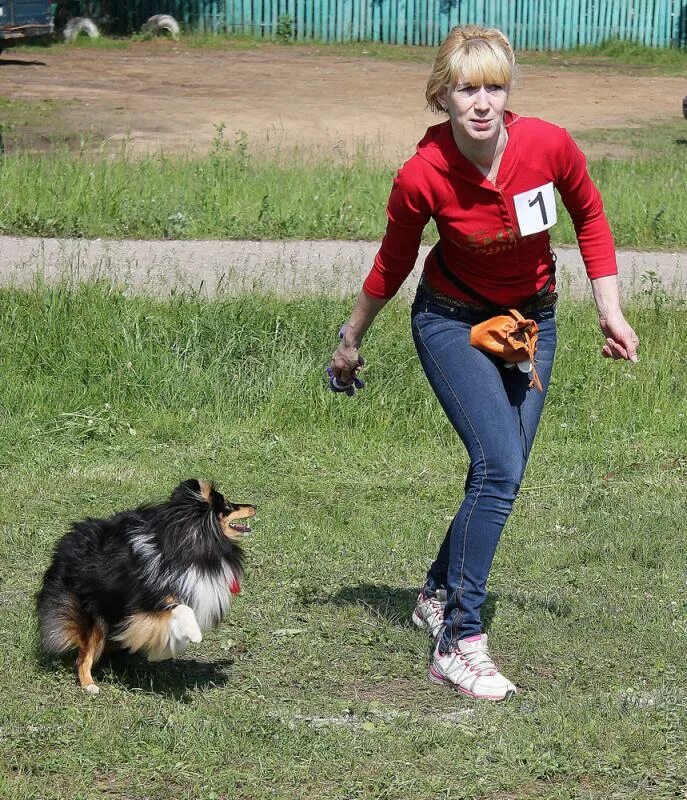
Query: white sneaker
468, 668
428, 613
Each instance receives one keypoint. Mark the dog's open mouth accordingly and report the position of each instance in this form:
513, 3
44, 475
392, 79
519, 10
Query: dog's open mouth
240, 528
234, 522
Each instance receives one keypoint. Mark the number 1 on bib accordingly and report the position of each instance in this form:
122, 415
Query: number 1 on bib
536, 209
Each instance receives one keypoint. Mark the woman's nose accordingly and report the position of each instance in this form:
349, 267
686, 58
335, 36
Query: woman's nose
482, 98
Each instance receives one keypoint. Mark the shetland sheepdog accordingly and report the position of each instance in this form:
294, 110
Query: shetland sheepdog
147, 580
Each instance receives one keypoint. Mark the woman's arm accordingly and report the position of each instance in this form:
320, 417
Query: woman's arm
408, 211
583, 201
345, 359
621, 340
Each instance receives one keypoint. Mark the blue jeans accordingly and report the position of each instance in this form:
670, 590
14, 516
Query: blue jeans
496, 416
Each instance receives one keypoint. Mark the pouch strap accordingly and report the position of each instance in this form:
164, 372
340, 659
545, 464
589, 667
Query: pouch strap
456, 281
531, 347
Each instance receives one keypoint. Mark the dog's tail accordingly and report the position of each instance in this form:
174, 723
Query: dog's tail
64, 624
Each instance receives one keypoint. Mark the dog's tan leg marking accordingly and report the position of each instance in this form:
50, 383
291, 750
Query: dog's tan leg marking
90, 649
147, 631
160, 634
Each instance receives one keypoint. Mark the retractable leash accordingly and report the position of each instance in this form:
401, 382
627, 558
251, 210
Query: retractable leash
346, 388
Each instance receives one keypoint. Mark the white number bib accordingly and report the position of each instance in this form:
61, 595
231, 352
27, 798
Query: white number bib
536, 209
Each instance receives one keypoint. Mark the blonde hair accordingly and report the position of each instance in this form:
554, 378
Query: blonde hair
472, 54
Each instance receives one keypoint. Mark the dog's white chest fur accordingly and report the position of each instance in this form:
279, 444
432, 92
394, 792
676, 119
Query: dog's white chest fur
208, 595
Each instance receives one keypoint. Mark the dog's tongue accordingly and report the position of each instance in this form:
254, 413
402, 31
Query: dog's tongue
241, 528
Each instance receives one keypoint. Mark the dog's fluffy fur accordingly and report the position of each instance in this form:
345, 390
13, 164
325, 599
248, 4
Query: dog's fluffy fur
147, 580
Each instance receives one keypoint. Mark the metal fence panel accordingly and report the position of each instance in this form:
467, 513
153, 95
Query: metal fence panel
530, 24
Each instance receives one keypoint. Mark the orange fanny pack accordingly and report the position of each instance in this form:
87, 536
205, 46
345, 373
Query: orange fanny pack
511, 337
508, 335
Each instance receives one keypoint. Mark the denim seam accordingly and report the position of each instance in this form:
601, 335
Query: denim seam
479, 491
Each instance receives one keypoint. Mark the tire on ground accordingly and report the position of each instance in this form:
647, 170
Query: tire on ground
80, 25
161, 23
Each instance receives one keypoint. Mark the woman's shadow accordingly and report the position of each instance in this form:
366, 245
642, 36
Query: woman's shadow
390, 602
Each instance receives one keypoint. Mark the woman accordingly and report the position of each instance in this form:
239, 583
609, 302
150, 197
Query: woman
486, 176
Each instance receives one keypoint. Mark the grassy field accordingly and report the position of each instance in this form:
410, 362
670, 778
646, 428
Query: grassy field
235, 195
315, 686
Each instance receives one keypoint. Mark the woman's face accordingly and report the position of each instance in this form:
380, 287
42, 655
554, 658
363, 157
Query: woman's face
476, 112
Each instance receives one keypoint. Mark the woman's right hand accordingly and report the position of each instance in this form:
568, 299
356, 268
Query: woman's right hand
345, 363
346, 360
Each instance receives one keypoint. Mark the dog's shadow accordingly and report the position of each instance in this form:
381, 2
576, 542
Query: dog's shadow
176, 680
16, 62
392, 603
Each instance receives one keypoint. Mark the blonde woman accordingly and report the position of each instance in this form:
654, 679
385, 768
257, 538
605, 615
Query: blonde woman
487, 177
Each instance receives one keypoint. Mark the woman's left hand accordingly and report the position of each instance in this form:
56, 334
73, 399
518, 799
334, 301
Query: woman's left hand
621, 340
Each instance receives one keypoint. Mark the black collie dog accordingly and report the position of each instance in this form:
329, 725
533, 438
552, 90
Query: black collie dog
144, 580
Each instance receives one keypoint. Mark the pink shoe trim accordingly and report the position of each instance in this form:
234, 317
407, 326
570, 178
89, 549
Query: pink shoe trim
474, 638
436, 677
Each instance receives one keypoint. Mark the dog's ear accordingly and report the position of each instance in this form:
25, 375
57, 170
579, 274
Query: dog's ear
206, 490
197, 489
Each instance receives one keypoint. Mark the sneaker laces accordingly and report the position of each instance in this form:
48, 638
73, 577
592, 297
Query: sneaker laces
436, 607
477, 659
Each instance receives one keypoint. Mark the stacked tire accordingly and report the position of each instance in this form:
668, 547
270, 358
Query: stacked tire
157, 25
161, 25
80, 26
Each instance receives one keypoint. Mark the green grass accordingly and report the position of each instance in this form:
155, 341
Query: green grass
614, 54
234, 194
315, 686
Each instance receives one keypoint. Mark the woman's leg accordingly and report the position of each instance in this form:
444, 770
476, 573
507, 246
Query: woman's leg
496, 417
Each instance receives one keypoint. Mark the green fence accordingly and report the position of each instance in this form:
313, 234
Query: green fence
531, 24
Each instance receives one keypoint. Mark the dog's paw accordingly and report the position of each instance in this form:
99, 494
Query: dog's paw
91, 689
183, 629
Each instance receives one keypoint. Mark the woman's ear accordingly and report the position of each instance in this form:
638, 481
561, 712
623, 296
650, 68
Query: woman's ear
442, 99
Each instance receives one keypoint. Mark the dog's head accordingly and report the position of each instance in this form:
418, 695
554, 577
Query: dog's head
207, 504
196, 533
197, 527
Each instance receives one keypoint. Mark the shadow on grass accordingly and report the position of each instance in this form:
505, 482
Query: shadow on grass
176, 680
391, 602
16, 62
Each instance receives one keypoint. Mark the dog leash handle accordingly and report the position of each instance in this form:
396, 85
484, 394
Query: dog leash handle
346, 388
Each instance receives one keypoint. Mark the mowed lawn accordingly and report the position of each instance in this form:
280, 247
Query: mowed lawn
316, 685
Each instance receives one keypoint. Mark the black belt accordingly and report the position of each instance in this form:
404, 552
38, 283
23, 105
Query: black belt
544, 298
547, 301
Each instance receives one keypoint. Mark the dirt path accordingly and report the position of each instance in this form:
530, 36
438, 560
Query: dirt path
169, 95
164, 94
287, 268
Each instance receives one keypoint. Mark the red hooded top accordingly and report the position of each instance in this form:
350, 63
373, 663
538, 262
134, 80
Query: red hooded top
494, 236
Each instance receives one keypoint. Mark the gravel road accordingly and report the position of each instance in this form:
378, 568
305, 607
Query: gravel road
286, 267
